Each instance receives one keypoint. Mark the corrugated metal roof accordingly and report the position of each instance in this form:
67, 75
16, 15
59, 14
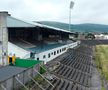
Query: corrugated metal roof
8, 71
58, 29
13, 22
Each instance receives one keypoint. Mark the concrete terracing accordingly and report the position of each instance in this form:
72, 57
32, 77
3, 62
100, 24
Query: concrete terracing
75, 70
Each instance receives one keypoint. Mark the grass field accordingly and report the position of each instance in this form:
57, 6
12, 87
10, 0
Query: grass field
101, 56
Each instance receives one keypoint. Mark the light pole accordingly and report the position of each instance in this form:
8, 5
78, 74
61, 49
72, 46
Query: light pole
71, 6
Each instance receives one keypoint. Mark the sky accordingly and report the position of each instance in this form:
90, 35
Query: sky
84, 11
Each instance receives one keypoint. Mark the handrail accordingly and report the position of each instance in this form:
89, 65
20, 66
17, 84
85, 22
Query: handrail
36, 82
21, 83
3, 87
43, 77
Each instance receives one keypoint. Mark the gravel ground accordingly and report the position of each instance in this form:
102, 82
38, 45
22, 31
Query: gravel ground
105, 84
95, 80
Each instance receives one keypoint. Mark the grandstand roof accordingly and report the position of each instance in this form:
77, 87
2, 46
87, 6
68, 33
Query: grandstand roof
16, 23
13, 22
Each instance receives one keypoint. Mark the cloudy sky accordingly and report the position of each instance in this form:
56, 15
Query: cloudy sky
84, 11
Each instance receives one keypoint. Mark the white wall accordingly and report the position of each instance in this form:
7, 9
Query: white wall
101, 36
19, 52
40, 55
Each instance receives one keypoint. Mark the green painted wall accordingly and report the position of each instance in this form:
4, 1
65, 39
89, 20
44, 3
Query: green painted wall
26, 63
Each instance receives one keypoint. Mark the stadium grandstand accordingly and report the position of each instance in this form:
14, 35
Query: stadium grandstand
46, 58
32, 40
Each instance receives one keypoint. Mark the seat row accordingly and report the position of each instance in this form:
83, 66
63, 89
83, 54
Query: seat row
74, 70
62, 84
73, 75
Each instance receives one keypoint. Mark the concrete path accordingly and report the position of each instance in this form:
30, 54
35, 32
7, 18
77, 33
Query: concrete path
95, 80
105, 84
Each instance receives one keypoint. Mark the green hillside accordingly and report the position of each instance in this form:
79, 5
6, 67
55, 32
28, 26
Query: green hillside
78, 27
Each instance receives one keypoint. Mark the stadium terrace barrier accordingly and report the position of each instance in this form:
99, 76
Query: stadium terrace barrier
74, 69
19, 76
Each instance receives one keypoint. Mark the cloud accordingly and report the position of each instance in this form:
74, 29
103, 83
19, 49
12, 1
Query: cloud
84, 11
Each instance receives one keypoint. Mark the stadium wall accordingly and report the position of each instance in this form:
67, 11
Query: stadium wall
19, 52
53, 53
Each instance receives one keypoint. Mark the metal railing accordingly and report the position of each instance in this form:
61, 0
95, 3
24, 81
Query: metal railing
22, 80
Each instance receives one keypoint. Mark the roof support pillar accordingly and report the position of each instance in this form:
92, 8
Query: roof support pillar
3, 38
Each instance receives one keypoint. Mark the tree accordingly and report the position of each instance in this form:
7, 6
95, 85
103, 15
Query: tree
90, 36
76, 35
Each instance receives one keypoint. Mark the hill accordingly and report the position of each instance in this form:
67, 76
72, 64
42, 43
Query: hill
78, 27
